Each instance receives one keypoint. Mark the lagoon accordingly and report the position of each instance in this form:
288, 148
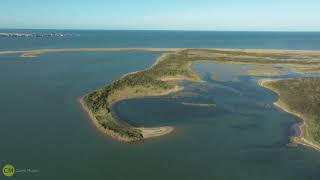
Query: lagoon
243, 137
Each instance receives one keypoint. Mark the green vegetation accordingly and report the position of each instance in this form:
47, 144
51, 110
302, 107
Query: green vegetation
301, 97
163, 76
142, 83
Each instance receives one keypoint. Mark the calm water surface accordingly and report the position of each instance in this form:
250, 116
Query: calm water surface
244, 137
183, 39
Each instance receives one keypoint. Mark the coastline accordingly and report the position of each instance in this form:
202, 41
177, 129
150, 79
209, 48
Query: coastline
126, 93
301, 138
96, 123
35, 52
163, 77
147, 133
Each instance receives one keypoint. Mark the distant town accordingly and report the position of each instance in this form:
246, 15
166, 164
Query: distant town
20, 35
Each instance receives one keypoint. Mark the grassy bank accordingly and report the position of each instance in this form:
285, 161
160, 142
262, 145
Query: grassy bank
163, 77
301, 97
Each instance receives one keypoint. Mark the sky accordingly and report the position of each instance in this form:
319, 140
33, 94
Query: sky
228, 15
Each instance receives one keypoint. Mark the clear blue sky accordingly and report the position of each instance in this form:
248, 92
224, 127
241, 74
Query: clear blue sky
252, 15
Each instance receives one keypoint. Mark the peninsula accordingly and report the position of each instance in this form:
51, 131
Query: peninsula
300, 97
164, 76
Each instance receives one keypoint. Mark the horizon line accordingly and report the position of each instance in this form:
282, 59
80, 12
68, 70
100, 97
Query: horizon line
176, 30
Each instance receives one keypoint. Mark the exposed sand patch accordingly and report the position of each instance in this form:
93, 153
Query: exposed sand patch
155, 132
34, 53
146, 132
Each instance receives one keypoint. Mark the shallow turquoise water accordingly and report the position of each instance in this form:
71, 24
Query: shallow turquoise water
43, 127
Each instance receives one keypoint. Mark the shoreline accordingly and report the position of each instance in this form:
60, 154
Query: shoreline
300, 138
35, 52
147, 133
163, 77
95, 122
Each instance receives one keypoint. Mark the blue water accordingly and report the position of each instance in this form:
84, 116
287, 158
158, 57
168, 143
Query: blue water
244, 137
256, 40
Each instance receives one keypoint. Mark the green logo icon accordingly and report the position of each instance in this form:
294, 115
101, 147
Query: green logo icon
8, 170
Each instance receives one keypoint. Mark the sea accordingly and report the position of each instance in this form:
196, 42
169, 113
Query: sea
45, 133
